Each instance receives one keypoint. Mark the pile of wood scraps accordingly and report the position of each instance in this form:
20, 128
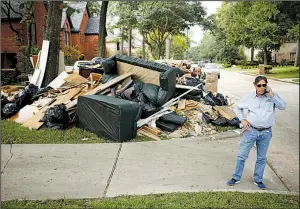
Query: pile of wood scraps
151, 132
68, 88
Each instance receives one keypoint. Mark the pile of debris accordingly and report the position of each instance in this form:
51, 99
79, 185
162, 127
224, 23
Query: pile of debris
119, 106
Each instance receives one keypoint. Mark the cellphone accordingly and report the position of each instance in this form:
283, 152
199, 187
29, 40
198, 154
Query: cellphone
267, 91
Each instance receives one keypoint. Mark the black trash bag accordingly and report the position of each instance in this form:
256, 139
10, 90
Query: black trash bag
9, 110
31, 89
43, 90
171, 127
234, 122
150, 91
208, 99
162, 97
56, 117
148, 108
192, 81
220, 121
173, 117
220, 100
4, 101
25, 96
107, 77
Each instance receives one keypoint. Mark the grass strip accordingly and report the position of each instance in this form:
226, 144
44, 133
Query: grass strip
170, 200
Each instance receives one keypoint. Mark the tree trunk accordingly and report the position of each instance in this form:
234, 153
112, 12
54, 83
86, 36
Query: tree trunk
159, 46
297, 60
129, 41
143, 48
168, 47
122, 41
265, 57
52, 35
252, 54
102, 29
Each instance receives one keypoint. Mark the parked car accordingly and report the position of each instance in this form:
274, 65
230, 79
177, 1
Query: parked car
209, 68
81, 63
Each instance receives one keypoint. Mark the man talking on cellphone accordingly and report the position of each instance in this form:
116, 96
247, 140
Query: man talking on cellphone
257, 128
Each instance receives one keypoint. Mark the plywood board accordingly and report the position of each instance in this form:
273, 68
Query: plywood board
154, 131
59, 80
181, 104
34, 123
43, 62
225, 112
75, 78
24, 114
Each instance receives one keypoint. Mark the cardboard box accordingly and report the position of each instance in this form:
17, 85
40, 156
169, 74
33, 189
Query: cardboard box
213, 86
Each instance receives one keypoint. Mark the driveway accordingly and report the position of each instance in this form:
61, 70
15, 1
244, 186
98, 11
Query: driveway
283, 154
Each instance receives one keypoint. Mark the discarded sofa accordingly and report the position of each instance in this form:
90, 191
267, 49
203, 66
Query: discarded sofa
108, 117
148, 72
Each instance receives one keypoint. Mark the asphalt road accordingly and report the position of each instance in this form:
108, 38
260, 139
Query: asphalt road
283, 154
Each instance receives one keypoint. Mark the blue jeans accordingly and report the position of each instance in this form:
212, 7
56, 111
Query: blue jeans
262, 140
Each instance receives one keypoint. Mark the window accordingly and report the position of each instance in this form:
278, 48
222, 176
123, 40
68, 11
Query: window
292, 56
33, 33
67, 38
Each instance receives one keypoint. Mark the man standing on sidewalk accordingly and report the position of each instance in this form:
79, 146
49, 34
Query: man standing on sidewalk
257, 128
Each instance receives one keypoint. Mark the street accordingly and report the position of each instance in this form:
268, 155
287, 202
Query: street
283, 154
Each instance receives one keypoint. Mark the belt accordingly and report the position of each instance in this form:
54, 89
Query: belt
261, 129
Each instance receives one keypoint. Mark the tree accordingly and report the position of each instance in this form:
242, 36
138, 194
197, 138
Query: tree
178, 47
102, 29
208, 47
94, 7
174, 16
288, 20
53, 34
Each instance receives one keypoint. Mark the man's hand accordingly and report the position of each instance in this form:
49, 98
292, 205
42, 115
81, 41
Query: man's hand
269, 91
246, 124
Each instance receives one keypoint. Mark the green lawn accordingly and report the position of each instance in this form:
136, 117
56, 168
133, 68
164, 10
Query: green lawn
276, 72
12, 132
172, 200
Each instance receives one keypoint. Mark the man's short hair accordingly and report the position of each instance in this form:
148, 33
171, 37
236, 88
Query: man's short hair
259, 78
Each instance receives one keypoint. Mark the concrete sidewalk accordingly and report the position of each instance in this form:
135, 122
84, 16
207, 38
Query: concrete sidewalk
53, 171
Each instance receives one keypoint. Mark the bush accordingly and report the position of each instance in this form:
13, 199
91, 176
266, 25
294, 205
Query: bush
226, 65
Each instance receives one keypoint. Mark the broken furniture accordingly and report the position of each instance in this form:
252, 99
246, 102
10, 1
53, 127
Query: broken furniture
145, 71
108, 117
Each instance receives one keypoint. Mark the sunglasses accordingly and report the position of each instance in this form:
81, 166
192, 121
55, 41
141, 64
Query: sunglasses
261, 85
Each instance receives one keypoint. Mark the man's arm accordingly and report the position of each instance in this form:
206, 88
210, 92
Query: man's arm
278, 101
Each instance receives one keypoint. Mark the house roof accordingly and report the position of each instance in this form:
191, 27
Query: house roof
16, 7
77, 16
92, 26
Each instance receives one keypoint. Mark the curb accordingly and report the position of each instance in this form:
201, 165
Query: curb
218, 136
275, 79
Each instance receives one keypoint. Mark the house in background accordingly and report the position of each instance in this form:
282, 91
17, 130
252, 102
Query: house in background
78, 28
287, 52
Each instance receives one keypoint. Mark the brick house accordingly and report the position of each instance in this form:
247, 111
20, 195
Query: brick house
287, 52
77, 29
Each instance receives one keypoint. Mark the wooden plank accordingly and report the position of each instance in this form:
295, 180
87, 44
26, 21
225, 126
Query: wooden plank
34, 123
154, 131
225, 112
43, 62
181, 104
75, 78
109, 84
146, 133
59, 80
189, 108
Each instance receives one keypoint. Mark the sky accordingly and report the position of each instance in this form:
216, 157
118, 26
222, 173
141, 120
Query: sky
196, 31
